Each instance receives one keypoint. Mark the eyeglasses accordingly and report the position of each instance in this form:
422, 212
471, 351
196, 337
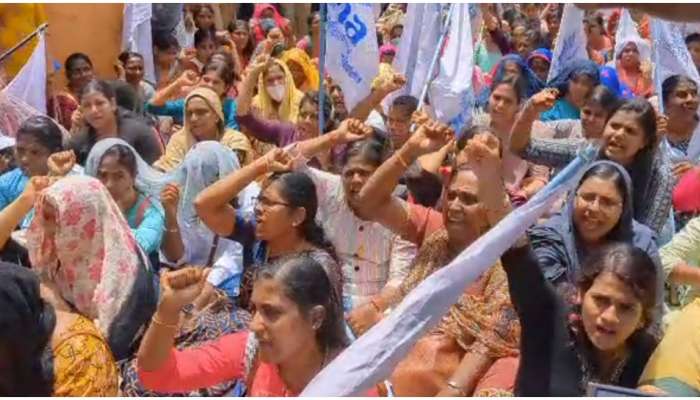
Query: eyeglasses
266, 203
605, 203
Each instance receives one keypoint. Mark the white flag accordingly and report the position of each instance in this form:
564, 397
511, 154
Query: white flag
671, 57
29, 85
136, 35
451, 93
352, 54
419, 41
373, 356
571, 40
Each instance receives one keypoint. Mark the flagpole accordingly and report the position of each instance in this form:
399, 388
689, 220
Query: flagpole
24, 41
436, 55
321, 69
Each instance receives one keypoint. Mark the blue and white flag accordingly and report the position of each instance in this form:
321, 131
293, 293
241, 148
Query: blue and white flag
29, 85
671, 57
451, 92
352, 54
419, 41
373, 356
571, 40
136, 35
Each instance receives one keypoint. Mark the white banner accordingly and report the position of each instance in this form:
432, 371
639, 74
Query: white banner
421, 34
571, 40
373, 356
136, 35
29, 85
451, 92
352, 54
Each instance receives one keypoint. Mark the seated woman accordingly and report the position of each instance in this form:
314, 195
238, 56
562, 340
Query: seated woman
216, 75
680, 98
465, 354
574, 84
80, 243
539, 62
79, 361
673, 368
278, 97
117, 165
134, 70
104, 119
607, 344
204, 46
61, 105
306, 75
629, 55
372, 258
514, 66
680, 258
204, 121
277, 132
283, 224
599, 211
630, 139
297, 330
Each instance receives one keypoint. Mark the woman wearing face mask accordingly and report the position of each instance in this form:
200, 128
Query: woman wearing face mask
463, 355
629, 139
133, 68
598, 212
262, 12
607, 344
295, 332
631, 57
306, 75
216, 75
204, 120
116, 164
104, 119
574, 83
278, 97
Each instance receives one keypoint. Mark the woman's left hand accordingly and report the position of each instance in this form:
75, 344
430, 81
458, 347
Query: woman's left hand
362, 318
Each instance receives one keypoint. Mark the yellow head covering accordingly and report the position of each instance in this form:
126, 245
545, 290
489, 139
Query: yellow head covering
300, 57
288, 108
183, 140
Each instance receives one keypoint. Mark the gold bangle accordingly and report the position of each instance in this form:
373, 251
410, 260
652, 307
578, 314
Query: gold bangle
156, 321
401, 160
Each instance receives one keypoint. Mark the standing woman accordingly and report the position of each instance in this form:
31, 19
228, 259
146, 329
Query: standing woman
104, 119
118, 166
204, 121
80, 243
608, 344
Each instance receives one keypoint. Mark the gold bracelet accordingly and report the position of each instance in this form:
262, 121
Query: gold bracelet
401, 160
156, 321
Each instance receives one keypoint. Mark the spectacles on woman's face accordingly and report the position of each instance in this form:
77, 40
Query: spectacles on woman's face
606, 204
266, 202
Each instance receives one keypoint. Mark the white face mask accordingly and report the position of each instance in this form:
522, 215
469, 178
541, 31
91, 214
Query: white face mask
276, 92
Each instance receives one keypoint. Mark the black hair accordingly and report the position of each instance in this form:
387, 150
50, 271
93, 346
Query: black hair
425, 187
99, 86
165, 42
124, 56
671, 83
298, 190
125, 96
124, 156
602, 96
693, 37
372, 150
307, 284
241, 24
408, 102
596, 19
72, 59
310, 19
198, 9
518, 84
608, 172
26, 326
631, 265
44, 130
203, 35
469, 132
224, 70
312, 96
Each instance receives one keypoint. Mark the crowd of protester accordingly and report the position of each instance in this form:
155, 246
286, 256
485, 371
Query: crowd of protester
202, 234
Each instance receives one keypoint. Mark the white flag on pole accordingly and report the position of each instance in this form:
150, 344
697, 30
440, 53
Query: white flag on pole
451, 92
136, 35
373, 356
352, 54
571, 41
29, 85
421, 34
671, 57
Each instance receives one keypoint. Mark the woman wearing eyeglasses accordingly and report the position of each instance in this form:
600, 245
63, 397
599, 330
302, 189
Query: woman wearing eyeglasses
598, 212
